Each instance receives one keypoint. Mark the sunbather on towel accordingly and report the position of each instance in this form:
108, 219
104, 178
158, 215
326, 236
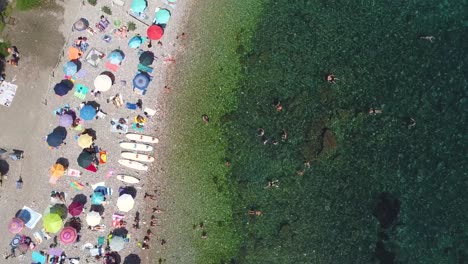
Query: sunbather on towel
102, 24
81, 43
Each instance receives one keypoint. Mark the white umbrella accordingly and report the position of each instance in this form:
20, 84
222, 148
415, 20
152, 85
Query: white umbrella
125, 202
102, 83
116, 243
93, 218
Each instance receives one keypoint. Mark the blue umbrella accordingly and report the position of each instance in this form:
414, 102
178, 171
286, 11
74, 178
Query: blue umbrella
97, 198
116, 57
135, 42
57, 136
141, 81
88, 112
63, 87
81, 24
138, 6
162, 16
70, 68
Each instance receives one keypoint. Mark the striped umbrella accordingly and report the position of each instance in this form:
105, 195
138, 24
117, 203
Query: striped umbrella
16, 225
68, 235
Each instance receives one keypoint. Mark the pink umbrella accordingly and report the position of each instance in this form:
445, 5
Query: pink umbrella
68, 235
16, 225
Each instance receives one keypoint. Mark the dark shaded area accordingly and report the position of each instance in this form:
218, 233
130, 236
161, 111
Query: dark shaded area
132, 259
382, 255
64, 162
128, 190
97, 208
4, 167
24, 215
74, 222
112, 257
80, 198
121, 231
386, 210
110, 74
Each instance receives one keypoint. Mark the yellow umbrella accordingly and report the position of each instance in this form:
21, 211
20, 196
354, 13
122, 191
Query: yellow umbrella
85, 141
57, 170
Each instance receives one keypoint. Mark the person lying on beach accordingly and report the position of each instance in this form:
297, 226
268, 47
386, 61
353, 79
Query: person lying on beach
373, 111
331, 78
121, 32
278, 106
97, 228
254, 212
102, 24
149, 197
205, 119
273, 183
81, 43
260, 132
284, 135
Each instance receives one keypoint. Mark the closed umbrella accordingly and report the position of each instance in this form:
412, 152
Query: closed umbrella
65, 120
147, 58
117, 243
85, 141
97, 198
116, 57
85, 159
75, 208
125, 202
16, 225
138, 6
155, 32
88, 112
141, 81
135, 42
93, 218
81, 24
57, 136
102, 83
57, 170
52, 223
68, 235
70, 68
162, 16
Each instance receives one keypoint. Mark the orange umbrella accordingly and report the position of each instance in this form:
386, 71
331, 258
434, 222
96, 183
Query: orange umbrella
57, 170
74, 53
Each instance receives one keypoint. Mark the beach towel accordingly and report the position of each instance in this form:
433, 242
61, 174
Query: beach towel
81, 91
112, 67
139, 129
91, 168
7, 93
73, 173
149, 112
33, 219
102, 24
115, 125
102, 157
77, 186
81, 74
116, 218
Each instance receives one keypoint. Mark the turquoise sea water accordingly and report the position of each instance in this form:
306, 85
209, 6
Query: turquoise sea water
385, 188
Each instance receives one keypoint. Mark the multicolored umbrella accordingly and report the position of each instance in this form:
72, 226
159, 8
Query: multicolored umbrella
135, 42
85, 141
155, 32
57, 170
141, 81
66, 120
162, 16
52, 223
68, 235
116, 57
81, 24
97, 198
93, 218
125, 202
88, 112
16, 225
117, 243
102, 83
138, 6
75, 208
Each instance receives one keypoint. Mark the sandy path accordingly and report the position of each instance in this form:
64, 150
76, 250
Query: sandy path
40, 36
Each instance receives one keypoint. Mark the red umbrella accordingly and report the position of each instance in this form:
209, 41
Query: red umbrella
68, 235
155, 32
75, 208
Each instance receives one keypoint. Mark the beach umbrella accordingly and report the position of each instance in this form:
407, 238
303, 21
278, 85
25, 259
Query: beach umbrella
141, 81
155, 32
135, 42
58, 209
70, 68
85, 159
147, 58
97, 198
57, 170
52, 223
162, 16
65, 120
81, 24
68, 235
138, 6
85, 141
117, 243
93, 218
102, 83
74, 53
57, 136
125, 202
75, 208
63, 87
116, 57
16, 225
132, 259
88, 112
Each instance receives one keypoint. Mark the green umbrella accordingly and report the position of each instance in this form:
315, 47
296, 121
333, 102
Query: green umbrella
147, 58
138, 6
85, 159
52, 223
59, 209
162, 16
